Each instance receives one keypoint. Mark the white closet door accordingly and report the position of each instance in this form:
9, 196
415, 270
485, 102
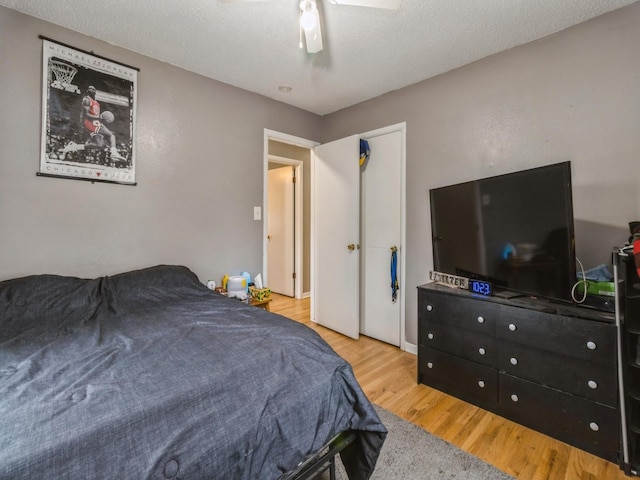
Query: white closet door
381, 229
336, 236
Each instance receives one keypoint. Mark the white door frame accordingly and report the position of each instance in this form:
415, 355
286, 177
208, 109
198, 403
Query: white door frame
402, 128
297, 218
299, 142
310, 144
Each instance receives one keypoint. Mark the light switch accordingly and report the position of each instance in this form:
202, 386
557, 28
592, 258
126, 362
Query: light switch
257, 213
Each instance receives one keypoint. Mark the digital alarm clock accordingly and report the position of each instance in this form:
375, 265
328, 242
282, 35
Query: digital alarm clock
480, 287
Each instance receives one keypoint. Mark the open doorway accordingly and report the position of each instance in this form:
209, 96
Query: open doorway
283, 223
281, 150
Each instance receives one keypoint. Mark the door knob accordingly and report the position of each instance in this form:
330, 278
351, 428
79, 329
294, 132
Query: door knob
351, 246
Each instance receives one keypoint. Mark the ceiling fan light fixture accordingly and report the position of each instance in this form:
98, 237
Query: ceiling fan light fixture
309, 15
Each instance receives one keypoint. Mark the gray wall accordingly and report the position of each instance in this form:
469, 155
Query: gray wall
572, 96
199, 171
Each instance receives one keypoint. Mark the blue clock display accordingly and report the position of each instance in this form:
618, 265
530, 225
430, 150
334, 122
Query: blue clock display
480, 287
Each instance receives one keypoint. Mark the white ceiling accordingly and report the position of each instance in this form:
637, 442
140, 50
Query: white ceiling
367, 52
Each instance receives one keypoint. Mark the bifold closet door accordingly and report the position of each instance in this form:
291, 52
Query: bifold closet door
381, 219
336, 205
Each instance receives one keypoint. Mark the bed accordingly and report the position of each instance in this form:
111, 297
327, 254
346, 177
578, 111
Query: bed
150, 375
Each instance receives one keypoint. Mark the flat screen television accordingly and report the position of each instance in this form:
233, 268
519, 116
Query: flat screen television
514, 230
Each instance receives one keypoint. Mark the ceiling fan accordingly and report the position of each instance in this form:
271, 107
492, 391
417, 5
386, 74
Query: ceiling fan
310, 17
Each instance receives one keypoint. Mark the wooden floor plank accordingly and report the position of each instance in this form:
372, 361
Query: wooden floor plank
389, 378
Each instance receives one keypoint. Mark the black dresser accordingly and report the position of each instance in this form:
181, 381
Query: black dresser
547, 366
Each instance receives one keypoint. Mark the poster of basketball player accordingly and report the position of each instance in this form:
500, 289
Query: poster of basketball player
88, 116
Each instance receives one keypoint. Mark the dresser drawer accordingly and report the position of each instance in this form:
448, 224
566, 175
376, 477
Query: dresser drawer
462, 378
573, 337
589, 380
468, 344
470, 314
585, 424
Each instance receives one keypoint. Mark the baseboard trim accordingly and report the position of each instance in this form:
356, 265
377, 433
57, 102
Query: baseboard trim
411, 348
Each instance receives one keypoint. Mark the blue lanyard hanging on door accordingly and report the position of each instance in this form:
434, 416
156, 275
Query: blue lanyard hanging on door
394, 274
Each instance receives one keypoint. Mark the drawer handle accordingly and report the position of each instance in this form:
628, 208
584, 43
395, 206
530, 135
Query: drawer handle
480, 319
591, 345
430, 336
594, 426
592, 384
481, 384
482, 351
429, 364
512, 327
513, 361
429, 308
514, 397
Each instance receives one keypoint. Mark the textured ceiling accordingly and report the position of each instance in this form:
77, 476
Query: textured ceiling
367, 52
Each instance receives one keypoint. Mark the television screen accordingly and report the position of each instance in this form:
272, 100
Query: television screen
513, 230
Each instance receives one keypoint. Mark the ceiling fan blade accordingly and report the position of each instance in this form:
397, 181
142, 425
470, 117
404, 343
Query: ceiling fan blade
388, 4
313, 38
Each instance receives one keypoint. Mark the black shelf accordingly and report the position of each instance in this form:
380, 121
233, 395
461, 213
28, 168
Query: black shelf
634, 393
629, 318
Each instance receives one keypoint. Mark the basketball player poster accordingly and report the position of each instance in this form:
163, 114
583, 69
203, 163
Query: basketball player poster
88, 116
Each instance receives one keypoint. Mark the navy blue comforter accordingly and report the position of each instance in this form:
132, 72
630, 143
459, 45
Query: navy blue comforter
150, 375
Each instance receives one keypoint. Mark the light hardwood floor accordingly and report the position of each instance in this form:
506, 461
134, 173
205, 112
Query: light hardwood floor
388, 377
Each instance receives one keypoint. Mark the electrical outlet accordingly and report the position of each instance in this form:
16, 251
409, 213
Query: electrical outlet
257, 213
